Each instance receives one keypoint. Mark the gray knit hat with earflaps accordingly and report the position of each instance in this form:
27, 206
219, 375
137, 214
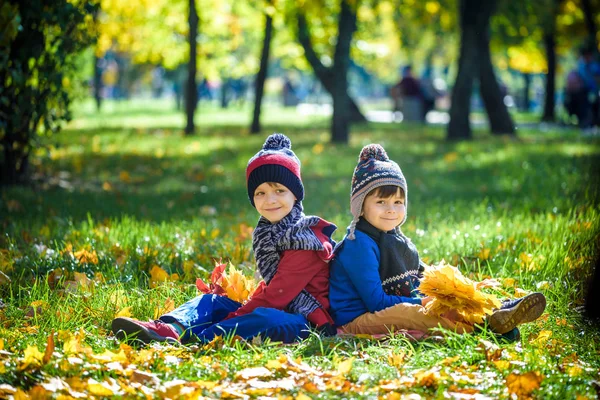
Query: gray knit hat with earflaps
374, 169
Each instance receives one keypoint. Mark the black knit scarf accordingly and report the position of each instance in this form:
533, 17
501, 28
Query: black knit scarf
399, 267
291, 233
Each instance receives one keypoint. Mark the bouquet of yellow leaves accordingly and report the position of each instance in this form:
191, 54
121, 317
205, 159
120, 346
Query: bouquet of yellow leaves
451, 290
232, 283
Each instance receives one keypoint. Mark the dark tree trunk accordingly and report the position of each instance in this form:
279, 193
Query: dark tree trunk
324, 74
526, 90
589, 15
262, 74
190, 87
97, 83
340, 125
475, 63
224, 93
468, 65
549, 102
493, 99
15, 166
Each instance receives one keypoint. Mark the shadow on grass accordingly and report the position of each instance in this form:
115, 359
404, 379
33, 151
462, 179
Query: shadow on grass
184, 186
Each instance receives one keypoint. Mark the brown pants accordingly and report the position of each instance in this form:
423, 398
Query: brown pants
402, 316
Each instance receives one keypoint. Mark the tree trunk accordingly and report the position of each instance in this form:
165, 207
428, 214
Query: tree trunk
549, 96
589, 14
97, 83
14, 166
190, 87
224, 92
526, 90
340, 126
468, 65
324, 75
493, 99
262, 74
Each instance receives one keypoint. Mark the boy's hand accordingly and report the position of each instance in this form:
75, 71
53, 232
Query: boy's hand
425, 300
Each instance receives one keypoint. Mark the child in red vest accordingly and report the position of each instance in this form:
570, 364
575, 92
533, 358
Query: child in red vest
292, 253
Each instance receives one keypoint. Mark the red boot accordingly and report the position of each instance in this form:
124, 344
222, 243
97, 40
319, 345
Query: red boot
128, 329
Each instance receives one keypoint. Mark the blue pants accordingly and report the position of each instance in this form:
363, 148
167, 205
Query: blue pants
202, 318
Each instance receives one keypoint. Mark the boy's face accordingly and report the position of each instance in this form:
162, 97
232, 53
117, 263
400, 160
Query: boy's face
273, 201
384, 213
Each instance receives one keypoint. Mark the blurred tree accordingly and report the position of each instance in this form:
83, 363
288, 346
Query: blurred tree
535, 34
157, 32
518, 37
38, 49
259, 82
549, 38
335, 78
191, 91
475, 61
97, 79
426, 30
591, 12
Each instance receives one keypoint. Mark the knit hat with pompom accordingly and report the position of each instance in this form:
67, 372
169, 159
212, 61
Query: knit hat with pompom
374, 169
275, 162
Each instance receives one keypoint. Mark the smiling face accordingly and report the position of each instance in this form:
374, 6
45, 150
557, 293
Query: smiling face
273, 201
384, 212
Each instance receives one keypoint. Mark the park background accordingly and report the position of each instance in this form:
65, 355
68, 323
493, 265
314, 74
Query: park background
123, 181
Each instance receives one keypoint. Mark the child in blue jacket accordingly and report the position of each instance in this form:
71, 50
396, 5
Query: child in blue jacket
376, 269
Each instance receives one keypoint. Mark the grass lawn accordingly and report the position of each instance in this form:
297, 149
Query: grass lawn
126, 213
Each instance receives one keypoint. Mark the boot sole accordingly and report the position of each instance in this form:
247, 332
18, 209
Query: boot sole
528, 310
128, 331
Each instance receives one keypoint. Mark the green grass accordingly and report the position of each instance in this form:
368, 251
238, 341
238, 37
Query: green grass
126, 186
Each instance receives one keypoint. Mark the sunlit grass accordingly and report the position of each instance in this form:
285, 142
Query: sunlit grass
122, 192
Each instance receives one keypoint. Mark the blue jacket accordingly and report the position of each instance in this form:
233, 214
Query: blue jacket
354, 284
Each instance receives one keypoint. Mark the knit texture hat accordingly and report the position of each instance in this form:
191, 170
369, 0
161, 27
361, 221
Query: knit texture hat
374, 169
275, 162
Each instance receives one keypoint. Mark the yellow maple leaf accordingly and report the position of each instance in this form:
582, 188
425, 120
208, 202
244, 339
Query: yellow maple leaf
86, 257
523, 384
188, 267
542, 337
159, 276
124, 176
125, 312
99, 388
166, 308
82, 279
237, 286
32, 357
451, 290
345, 366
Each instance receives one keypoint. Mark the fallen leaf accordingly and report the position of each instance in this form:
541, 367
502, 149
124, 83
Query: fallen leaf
542, 338
345, 366
49, 348
523, 384
143, 377
32, 357
491, 350
125, 312
166, 308
99, 388
6, 390
257, 372
501, 365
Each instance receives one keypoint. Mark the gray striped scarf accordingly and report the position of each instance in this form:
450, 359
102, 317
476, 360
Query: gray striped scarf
291, 233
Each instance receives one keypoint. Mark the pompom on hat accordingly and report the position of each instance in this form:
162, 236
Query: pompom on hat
374, 169
275, 162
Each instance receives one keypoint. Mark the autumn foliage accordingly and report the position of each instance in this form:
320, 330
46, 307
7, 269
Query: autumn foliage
451, 290
231, 283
